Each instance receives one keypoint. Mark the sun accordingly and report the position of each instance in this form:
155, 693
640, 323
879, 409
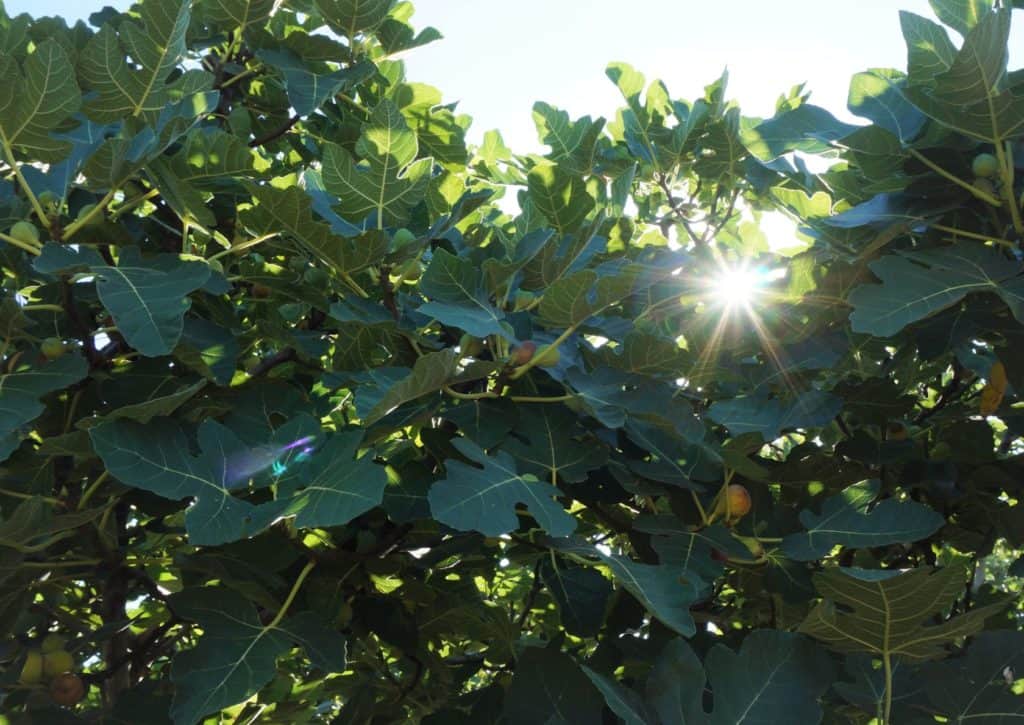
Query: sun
737, 286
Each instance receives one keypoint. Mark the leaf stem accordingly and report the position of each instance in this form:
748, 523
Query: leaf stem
1005, 157
29, 194
972, 235
70, 229
954, 178
92, 489
26, 246
490, 395
28, 496
132, 203
887, 708
42, 308
291, 595
536, 359
242, 245
347, 279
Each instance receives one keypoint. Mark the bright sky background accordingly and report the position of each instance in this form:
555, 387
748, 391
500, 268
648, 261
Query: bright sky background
499, 56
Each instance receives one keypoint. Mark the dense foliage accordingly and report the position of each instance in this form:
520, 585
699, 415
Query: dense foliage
310, 412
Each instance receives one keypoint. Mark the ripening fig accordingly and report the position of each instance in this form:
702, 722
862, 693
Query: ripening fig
522, 353
67, 689
52, 348
57, 663
32, 670
260, 291
985, 165
739, 501
25, 232
548, 357
896, 431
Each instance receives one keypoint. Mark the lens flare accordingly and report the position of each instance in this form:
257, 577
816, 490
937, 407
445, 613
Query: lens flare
737, 286
243, 465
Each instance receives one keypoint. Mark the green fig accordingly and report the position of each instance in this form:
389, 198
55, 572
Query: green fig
548, 357
523, 299
470, 346
32, 670
402, 237
57, 663
52, 348
86, 211
52, 643
25, 232
985, 165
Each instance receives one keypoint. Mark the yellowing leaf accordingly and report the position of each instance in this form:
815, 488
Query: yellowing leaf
994, 390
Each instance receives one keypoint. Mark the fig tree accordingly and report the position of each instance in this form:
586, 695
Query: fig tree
402, 237
52, 643
86, 211
470, 346
523, 299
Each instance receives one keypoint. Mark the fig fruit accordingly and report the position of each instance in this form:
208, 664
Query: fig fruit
260, 291
25, 232
86, 211
470, 346
523, 299
52, 348
985, 186
32, 670
67, 689
985, 165
57, 663
739, 501
522, 353
548, 357
52, 643
402, 237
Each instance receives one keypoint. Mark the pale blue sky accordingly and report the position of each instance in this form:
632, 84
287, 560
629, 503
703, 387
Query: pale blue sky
498, 57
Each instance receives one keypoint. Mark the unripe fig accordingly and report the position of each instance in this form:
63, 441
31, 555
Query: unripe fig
316, 277
470, 346
49, 201
32, 670
522, 353
67, 689
985, 186
25, 232
85, 211
52, 348
985, 165
260, 291
402, 237
57, 663
410, 270
52, 643
523, 299
548, 357
131, 190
